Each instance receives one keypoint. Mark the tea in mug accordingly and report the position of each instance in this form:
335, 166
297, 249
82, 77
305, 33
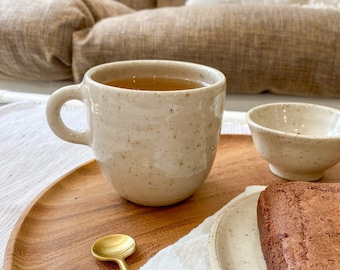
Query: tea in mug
156, 83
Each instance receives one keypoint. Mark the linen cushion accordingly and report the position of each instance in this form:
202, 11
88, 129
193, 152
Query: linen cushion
284, 50
280, 49
36, 36
139, 4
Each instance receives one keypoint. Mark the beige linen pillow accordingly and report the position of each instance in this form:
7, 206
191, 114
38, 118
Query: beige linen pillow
284, 50
139, 4
36, 36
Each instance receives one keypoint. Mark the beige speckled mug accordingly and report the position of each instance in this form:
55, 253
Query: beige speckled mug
154, 147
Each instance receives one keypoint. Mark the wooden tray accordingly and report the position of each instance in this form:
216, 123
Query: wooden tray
58, 228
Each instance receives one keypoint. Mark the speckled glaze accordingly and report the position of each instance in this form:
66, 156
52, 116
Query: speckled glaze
300, 141
155, 147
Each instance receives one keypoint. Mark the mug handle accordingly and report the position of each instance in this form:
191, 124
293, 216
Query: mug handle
53, 108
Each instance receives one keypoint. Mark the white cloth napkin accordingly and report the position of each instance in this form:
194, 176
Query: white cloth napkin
32, 158
191, 251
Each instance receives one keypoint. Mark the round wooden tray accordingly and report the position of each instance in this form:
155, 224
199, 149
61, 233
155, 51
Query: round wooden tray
58, 228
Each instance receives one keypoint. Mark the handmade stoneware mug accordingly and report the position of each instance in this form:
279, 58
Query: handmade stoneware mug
153, 125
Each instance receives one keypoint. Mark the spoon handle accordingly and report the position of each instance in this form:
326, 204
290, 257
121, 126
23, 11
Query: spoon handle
122, 264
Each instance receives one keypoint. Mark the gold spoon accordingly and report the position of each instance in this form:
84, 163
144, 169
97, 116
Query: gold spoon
115, 247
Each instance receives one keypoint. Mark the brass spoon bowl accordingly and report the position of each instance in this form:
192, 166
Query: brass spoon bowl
115, 247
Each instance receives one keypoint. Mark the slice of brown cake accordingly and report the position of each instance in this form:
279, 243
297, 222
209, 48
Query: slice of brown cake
299, 225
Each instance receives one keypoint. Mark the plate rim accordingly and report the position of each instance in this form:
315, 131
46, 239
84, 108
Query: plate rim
212, 249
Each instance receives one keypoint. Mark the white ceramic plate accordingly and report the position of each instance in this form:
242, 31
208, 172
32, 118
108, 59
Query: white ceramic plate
234, 241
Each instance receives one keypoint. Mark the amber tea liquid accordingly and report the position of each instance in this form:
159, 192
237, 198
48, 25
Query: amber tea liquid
156, 83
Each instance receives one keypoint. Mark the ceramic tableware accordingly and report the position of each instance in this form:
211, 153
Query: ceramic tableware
300, 141
153, 125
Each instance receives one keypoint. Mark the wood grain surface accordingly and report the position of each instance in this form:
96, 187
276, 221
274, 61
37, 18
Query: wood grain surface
58, 228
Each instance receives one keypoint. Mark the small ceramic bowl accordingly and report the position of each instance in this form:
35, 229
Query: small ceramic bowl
300, 141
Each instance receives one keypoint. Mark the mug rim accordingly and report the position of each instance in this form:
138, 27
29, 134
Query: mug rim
220, 77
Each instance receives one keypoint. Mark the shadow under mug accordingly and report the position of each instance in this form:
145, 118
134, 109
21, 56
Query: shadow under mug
154, 147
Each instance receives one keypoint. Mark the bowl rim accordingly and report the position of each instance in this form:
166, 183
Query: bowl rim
252, 123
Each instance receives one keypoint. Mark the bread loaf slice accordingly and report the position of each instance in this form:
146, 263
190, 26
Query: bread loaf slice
299, 225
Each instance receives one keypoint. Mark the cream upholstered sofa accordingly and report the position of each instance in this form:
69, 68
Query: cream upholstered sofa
290, 52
